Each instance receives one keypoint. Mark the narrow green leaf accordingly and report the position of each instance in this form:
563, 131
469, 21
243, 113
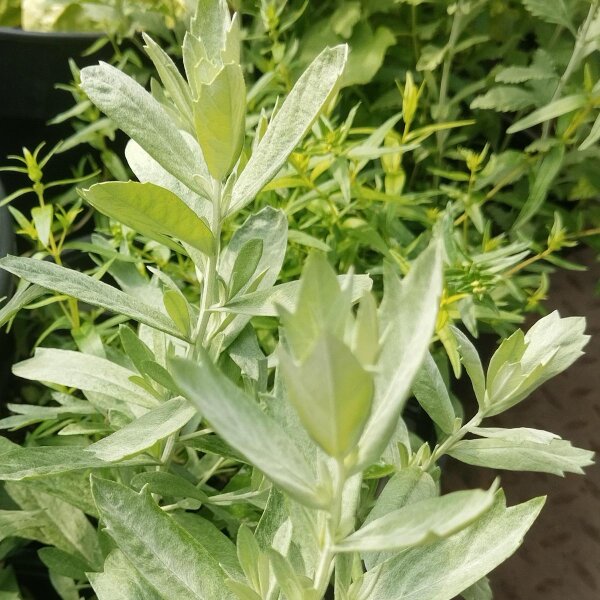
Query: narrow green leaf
420, 523
593, 136
431, 393
245, 427
459, 560
144, 432
545, 174
168, 557
152, 211
245, 265
85, 372
409, 309
550, 111
170, 76
297, 113
143, 119
41, 461
219, 119
87, 289
179, 310
469, 357
522, 453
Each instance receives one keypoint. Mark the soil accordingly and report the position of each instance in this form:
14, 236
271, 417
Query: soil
560, 557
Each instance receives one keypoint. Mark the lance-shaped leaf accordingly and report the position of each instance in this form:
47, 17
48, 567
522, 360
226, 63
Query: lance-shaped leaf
522, 450
85, 372
219, 119
87, 289
298, 112
523, 362
409, 310
331, 393
170, 77
120, 580
144, 432
406, 487
245, 427
143, 119
166, 555
458, 561
420, 523
40, 461
431, 393
152, 211
555, 109
472, 364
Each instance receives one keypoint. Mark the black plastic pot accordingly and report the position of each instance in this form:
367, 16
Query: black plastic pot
31, 64
7, 246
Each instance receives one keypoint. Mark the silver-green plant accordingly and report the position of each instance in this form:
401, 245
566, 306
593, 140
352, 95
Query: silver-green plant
218, 472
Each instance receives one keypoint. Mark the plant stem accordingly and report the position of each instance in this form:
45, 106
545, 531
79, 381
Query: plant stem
210, 276
574, 61
326, 560
452, 439
455, 32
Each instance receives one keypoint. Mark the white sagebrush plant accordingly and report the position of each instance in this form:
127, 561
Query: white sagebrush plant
218, 472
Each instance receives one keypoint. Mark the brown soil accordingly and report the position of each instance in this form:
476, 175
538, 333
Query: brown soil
560, 557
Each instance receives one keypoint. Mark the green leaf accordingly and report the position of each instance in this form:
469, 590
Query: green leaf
42, 219
522, 450
593, 136
217, 543
14, 521
220, 119
41, 461
535, 72
265, 302
85, 372
25, 295
459, 561
87, 289
472, 364
545, 175
420, 523
431, 393
63, 563
144, 432
144, 120
407, 486
244, 267
480, 590
245, 427
550, 346
147, 170
312, 92
60, 524
504, 98
550, 111
171, 78
179, 310
120, 580
368, 50
556, 12
168, 557
152, 211
331, 393
409, 310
